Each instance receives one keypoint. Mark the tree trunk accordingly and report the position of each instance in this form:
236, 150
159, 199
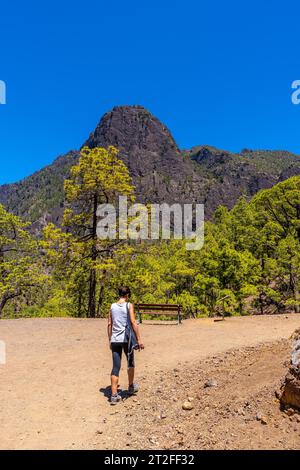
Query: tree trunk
79, 308
3, 301
296, 298
261, 303
100, 300
92, 294
93, 280
298, 218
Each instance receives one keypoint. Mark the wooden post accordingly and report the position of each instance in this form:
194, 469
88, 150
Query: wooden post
139, 313
179, 315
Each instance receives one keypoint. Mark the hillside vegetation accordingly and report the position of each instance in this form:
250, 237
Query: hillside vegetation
250, 262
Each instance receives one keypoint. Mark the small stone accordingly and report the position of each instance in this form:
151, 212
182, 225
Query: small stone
187, 405
210, 383
162, 415
153, 440
261, 418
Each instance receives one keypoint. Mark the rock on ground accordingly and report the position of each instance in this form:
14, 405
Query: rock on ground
291, 386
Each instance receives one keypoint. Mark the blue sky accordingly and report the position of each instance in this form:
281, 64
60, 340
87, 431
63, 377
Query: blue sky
215, 73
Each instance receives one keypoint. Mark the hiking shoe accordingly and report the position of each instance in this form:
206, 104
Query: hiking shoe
132, 389
114, 399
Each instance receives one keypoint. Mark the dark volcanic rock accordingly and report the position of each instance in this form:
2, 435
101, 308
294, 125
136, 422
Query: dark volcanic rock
134, 131
292, 170
148, 149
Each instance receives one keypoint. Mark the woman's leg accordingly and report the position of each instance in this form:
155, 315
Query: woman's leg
130, 376
131, 365
116, 349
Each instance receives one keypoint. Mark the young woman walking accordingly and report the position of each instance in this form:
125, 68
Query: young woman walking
123, 335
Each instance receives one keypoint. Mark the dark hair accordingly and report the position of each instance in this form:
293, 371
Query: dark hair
123, 291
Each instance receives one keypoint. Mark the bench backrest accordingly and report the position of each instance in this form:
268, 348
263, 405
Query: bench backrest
159, 309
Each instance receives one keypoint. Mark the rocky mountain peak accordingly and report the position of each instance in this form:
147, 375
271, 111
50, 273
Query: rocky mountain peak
145, 144
131, 129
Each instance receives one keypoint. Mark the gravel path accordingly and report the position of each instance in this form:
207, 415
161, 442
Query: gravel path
54, 384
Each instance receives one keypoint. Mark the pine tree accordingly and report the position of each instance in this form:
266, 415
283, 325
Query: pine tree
20, 260
98, 178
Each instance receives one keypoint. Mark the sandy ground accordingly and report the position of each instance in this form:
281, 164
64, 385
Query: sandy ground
53, 387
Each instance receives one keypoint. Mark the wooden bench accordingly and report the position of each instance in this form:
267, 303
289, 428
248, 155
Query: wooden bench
159, 309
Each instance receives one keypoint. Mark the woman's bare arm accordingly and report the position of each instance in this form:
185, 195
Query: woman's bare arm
135, 326
109, 326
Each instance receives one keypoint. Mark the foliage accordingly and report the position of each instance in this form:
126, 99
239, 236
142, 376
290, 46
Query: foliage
250, 261
21, 264
100, 177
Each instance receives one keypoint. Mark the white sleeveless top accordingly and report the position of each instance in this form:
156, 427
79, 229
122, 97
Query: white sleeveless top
119, 322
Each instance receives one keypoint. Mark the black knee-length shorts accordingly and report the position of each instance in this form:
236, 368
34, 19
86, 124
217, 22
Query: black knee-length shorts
117, 349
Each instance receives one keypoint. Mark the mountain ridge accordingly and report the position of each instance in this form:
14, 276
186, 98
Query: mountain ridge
160, 170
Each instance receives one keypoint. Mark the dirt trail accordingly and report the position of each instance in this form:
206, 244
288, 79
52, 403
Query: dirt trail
54, 383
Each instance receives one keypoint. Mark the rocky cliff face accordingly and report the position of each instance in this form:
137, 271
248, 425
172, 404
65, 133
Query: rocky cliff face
147, 147
161, 172
291, 388
141, 138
